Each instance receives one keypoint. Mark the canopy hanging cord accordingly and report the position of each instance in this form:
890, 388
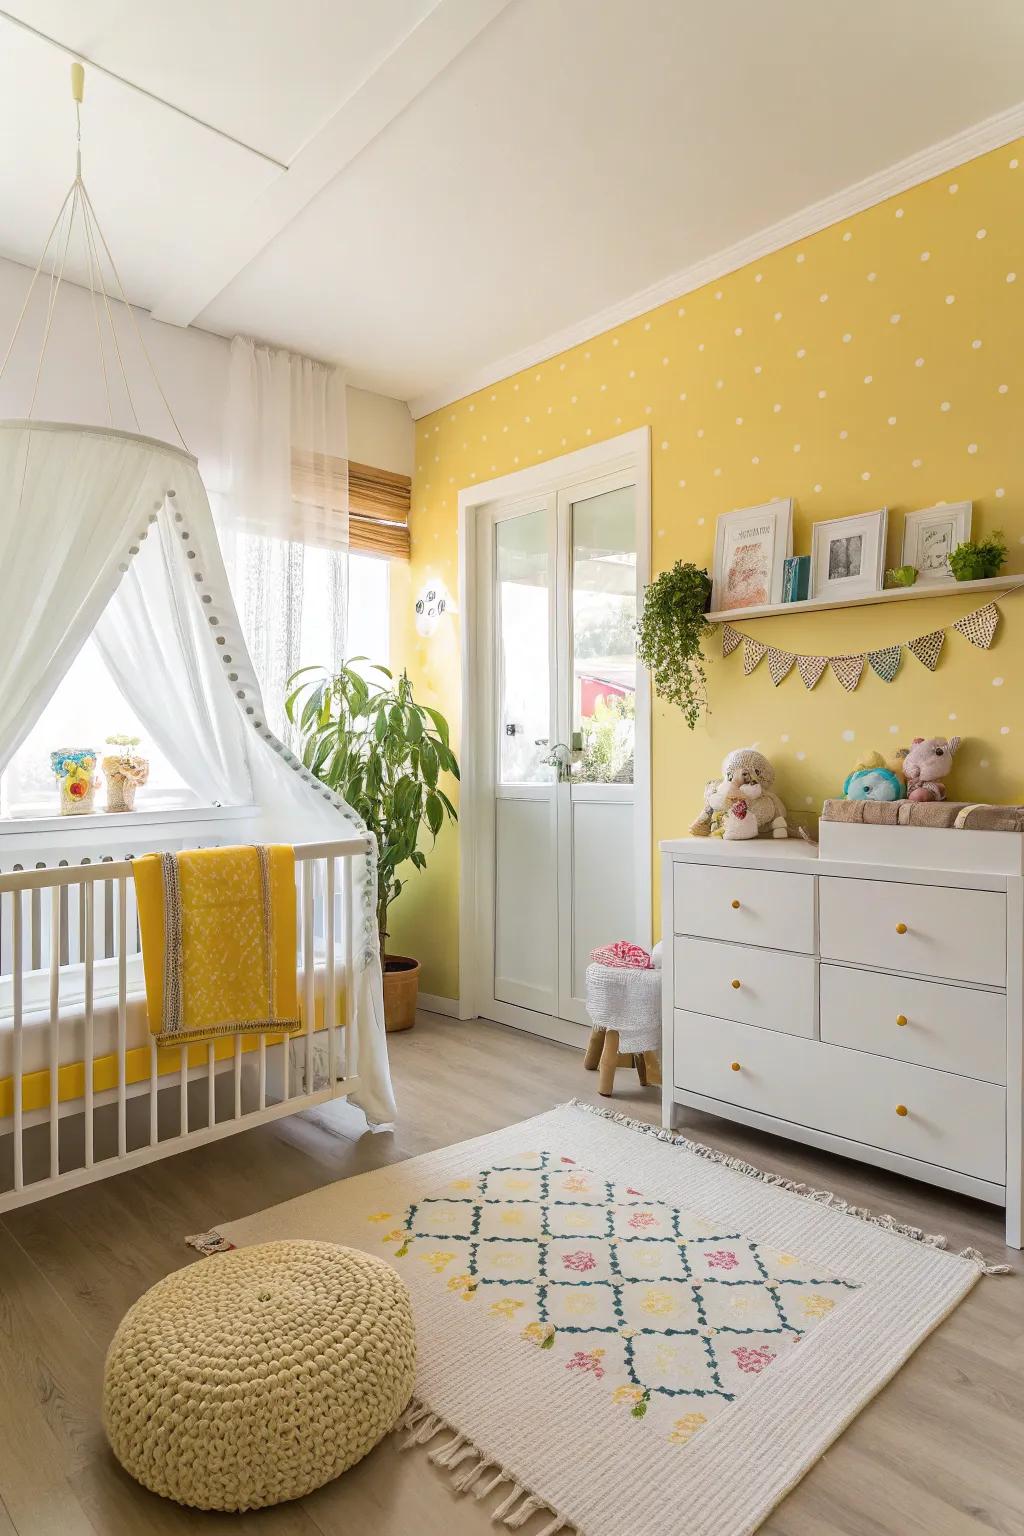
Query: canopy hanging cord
77, 200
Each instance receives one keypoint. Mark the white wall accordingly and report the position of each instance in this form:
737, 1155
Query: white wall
192, 366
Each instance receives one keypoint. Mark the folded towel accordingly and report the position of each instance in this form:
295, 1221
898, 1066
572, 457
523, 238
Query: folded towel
926, 813
622, 956
218, 941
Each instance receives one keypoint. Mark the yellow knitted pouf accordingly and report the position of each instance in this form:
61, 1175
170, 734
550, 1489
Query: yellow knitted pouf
258, 1375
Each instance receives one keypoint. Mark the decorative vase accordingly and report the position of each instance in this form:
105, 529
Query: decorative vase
401, 985
124, 773
74, 768
120, 794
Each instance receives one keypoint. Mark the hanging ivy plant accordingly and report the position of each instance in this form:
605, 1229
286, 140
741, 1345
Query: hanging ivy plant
669, 632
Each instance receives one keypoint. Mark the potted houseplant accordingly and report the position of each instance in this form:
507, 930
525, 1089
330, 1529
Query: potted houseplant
125, 770
669, 632
367, 738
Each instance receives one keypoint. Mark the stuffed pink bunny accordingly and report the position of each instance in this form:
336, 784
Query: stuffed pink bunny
926, 766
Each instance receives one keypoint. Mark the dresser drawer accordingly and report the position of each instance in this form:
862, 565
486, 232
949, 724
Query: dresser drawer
765, 987
745, 906
952, 1122
926, 1022
933, 930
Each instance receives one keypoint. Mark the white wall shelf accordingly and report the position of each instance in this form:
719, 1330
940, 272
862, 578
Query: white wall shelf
989, 587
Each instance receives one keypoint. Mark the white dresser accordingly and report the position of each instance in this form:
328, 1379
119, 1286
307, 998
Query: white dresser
871, 1010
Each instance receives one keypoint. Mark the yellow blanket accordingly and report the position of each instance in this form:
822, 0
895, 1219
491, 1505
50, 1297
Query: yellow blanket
218, 941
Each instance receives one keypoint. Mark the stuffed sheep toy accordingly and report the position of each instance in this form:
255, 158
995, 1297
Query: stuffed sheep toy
926, 766
747, 776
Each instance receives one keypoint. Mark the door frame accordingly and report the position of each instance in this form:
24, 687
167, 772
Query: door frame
630, 451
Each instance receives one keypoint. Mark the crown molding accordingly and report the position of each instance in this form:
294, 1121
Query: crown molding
966, 145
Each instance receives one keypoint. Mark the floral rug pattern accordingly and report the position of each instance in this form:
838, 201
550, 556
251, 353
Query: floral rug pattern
651, 1304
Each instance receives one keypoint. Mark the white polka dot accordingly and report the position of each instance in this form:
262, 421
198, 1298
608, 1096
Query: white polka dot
997, 682
719, 383
981, 234
1003, 389
1011, 277
822, 298
817, 487
954, 187
648, 409
717, 471
796, 447
892, 421
801, 351
1014, 164
983, 763
944, 406
700, 431
683, 395
800, 756
603, 388
739, 421
843, 435
664, 362
950, 298
893, 729
951, 717
783, 738
918, 362
632, 373
976, 343
848, 736
899, 213
1001, 492
738, 331
573, 399
800, 258
757, 367
926, 255
755, 459
681, 311
847, 336
777, 407
682, 485
822, 394
872, 276
777, 315
916, 463
972, 447
1004, 730
661, 533
895, 319
647, 325
700, 522
847, 236
808, 800
700, 346
758, 276
868, 378
866, 475
664, 446
615, 342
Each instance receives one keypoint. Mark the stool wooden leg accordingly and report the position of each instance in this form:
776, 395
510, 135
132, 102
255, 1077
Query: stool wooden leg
594, 1045
653, 1066
609, 1061
641, 1068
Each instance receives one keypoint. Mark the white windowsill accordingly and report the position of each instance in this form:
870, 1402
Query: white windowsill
22, 826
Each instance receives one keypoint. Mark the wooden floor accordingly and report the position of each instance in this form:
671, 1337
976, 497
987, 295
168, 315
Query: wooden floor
939, 1453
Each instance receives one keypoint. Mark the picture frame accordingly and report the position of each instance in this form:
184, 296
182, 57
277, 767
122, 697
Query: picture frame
848, 555
931, 535
751, 547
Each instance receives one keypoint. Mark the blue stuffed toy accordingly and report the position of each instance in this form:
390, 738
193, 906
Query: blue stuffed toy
874, 779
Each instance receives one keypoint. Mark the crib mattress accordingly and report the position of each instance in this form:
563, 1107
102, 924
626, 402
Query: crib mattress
71, 1053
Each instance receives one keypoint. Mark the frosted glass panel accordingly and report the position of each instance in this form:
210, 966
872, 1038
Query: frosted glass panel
523, 595
603, 638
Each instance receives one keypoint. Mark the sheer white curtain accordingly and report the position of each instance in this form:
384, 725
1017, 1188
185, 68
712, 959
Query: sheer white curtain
286, 555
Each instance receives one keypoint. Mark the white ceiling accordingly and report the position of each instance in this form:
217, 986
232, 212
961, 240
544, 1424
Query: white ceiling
465, 178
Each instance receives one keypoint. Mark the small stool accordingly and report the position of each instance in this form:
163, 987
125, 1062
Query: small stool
625, 1011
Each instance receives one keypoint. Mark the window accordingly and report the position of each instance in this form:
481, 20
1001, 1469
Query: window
87, 707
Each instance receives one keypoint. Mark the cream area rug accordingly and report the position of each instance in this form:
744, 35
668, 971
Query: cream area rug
626, 1330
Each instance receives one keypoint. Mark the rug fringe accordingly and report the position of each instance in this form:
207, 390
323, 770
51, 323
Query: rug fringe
794, 1187
513, 1511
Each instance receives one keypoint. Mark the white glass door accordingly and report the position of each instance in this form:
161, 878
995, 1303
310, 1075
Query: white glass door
558, 600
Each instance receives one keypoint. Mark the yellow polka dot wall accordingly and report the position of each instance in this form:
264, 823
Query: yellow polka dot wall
877, 363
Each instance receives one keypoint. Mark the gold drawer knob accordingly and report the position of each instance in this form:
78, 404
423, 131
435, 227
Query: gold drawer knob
901, 1019
736, 1066
901, 1109
901, 927
735, 984
735, 906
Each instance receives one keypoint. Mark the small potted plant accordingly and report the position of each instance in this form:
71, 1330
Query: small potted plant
126, 770
669, 632
75, 771
977, 561
384, 754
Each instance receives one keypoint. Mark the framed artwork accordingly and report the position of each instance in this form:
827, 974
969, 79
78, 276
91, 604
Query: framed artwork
930, 537
751, 547
848, 556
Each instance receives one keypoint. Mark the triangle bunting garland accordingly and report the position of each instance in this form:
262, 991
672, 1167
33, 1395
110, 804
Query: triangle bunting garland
847, 670
886, 663
780, 664
978, 628
753, 650
730, 639
810, 669
928, 648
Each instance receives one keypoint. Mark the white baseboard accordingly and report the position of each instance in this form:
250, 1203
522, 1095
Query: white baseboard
450, 1007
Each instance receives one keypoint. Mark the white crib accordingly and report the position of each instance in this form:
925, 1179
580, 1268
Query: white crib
78, 1067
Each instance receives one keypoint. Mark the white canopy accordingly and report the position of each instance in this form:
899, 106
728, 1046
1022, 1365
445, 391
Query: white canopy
111, 533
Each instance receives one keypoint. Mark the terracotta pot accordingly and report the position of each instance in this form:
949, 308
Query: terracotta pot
401, 984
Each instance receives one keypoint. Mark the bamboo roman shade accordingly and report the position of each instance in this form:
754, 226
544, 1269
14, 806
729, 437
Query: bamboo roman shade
377, 500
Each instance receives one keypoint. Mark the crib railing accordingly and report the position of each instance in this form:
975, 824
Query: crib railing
68, 1122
